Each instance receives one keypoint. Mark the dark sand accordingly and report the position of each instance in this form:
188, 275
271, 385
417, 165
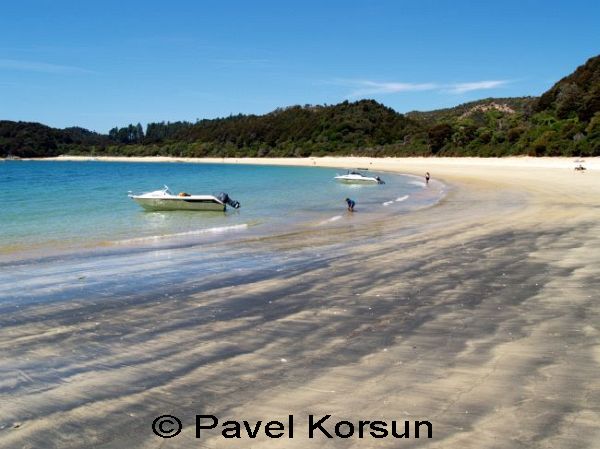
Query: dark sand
480, 315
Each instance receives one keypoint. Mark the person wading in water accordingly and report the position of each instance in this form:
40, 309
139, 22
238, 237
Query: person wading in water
350, 204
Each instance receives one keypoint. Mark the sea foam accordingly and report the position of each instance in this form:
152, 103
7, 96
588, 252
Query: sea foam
215, 230
331, 220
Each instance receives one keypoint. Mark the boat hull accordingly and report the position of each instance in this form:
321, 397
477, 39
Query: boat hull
357, 181
163, 204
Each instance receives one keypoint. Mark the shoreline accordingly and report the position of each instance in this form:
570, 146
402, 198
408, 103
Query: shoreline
536, 175
478, 314
591, 163
470, 170
476, 171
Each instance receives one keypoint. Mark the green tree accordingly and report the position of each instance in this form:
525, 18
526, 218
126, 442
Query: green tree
438, 136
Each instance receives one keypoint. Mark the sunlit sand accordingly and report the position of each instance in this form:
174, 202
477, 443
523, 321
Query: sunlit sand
479, 314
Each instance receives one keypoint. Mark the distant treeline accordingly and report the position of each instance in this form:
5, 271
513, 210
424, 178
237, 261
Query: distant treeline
564, 121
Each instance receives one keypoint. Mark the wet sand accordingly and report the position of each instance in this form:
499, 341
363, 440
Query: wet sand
479, 315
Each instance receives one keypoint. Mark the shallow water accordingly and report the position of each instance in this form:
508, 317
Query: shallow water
52, 205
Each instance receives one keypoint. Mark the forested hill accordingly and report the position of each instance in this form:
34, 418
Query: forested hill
25, 139
565, 121
522, 105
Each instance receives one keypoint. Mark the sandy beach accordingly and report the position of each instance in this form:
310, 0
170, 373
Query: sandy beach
479, 315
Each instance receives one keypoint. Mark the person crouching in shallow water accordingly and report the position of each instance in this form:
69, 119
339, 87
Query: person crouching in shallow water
350, 204
427, 176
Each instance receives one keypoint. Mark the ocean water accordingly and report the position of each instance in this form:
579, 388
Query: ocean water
55, 205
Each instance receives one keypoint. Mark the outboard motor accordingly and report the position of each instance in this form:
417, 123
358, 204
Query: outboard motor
224, 198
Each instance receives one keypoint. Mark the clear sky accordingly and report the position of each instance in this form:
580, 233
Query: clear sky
99, 64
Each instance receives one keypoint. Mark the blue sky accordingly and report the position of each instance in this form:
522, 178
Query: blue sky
102, 64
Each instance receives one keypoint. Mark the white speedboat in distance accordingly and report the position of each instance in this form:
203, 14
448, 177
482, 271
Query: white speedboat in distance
164, 200
356, 177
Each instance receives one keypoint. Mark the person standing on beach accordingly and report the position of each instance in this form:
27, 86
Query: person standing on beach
427, 176
350, 204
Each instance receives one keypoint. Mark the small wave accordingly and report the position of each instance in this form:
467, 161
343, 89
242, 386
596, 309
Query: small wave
331, 220
387, 203
153, 238
417, 183
402, 198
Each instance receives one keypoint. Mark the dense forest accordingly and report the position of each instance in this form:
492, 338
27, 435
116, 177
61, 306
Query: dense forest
564, 121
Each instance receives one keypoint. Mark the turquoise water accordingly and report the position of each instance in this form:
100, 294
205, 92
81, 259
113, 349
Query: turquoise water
54, 204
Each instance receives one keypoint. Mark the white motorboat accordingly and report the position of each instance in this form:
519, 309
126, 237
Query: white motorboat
164, 200
356, 177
